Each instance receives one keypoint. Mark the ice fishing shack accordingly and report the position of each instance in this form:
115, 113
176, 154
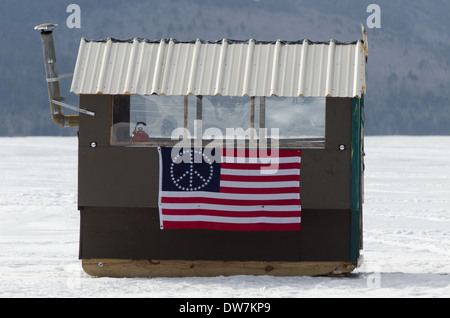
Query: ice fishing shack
210, 158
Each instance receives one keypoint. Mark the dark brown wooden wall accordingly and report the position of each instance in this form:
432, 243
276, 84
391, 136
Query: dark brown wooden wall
118, 197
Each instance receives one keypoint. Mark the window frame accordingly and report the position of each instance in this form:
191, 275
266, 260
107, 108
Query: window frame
300, 142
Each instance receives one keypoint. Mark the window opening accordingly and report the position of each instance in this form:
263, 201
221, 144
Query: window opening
157, 120
296, 117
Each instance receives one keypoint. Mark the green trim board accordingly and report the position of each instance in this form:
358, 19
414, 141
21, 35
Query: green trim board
356, 175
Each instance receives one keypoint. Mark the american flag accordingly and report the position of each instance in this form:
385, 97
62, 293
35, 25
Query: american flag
241, 190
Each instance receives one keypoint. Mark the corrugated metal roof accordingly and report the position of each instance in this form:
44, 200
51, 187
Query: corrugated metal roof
229, 68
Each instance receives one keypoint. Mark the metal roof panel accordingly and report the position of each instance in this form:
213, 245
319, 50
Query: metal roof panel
231, 68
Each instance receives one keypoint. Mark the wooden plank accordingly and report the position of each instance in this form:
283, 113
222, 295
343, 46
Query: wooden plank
283, 143
252, 118
262, 112
356, 174
185, 117
184, 268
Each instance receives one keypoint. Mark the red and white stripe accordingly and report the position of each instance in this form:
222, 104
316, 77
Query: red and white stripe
250, 199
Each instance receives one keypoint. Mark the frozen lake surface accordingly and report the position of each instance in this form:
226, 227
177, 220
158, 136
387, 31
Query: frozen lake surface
406, 230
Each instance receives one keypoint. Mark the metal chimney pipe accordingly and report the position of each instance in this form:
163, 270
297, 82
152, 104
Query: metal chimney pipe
51, 72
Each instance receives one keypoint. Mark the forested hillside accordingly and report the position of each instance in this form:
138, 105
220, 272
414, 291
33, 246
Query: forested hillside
407, 71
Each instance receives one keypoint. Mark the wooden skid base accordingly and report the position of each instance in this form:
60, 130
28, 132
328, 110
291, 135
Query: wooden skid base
181, 268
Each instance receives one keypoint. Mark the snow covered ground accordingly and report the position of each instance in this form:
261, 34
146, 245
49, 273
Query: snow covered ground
406, 230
